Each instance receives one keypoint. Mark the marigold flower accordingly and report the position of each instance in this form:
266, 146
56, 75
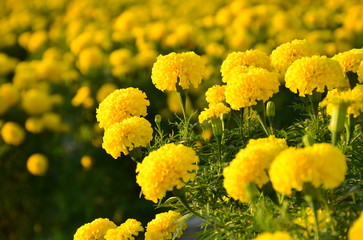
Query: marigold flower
37, 164
274, 236
36, 101
95, 230
250, 165
285, 54
314, 73
355, 232
255, 58
350, 60
183, 69
83, 97
34, 125
86, 162
244, 89
163, 169
12, 133
90, 58
121, 104
214, 111
126, 135
125, 231
164, 226
10, 93
105, 90
360, 72
216, 94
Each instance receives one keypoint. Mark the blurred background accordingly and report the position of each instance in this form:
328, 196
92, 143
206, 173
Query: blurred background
60, 58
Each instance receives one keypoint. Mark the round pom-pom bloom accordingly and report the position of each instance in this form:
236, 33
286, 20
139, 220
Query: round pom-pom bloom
125, 231
34, 125
355, 232
350, 60
314, 73
126, 135
182, 69
12, 133
320, 164
95, 230
250, 165
255, 58
216, 94
214, 111
274, 236
37, 164
164, 226
244, 89
285, 54
360, 72
36, 101
163, 169
122, 104
10, 93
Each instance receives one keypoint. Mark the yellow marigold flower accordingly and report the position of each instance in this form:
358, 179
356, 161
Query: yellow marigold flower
350, 60
83, 97
244, 89
163, 169
314, 73
10, 93
12, 133
52, 121
182, 69
7, 64
86, 162
164, 226
36, 101
285, 54
216, 94
95, 230
355, 232
360, 72
121, 104
255, 58
90, 58
126, 135
105, 90
274, 236
37, 164
250, 165
214, 111
125, 231
34, 125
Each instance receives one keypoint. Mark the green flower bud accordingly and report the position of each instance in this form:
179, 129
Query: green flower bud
270, 109
307, 140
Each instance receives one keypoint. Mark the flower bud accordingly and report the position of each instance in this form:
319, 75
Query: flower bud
270, 109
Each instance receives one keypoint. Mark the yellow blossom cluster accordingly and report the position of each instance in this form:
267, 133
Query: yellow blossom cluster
126, 231
274, 236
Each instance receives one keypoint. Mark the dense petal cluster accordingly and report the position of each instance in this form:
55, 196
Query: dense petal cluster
350, 60
126, 231
182, 69
285, 54
95, 230
164, 226
215, 94
163, 169
126, 135
360, 72
314, 73
321, 164
244, 89
214, 111
250, 165
37, 164
255, 58
122, 104
355, 232
12, 133
274, 236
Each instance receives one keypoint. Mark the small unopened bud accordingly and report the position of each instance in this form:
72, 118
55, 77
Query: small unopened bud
217, 127
270, 109
307, 140
157, 119
338, 116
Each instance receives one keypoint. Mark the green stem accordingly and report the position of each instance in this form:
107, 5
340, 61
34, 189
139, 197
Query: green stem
182, 101
311, 197
314, 100
349, 127
261, 115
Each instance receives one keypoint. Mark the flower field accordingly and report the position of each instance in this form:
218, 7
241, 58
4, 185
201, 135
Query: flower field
127, 119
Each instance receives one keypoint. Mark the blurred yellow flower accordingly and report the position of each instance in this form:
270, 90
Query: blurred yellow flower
37, 164
355, 232
12, 133
274, 236
163, 169
10, 93
83, 97
105, 90
7, 64
182, 69
95, 230
126, 231
126, 135
36, 101
86, 162
164, 226
34, 125
314, 73
350, 60
90, 59
121, 104
53, 122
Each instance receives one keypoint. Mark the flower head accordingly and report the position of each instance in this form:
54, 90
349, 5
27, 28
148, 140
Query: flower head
215, 94
36, 101
126, 135
314, 73
125, 231
350, 60
274, 236
37, 164
360, 72
121, 104
164, 226
12, 133
94, 230
214, 111
285, 54
163, 169
355, 232
255, 58
182, 69
246, 88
